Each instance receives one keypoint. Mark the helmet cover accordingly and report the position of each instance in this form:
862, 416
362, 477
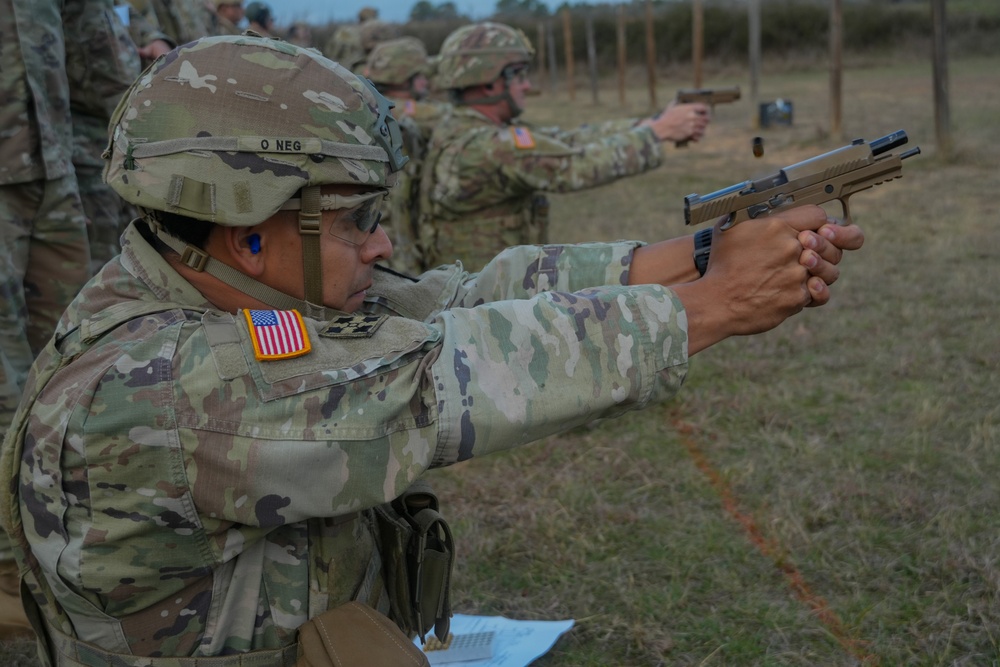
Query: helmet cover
476, 54
228, 128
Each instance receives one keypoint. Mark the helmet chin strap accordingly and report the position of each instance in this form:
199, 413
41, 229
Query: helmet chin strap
310, 216
198, 260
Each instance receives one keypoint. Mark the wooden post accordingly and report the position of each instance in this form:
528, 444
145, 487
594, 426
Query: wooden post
553, 65
942, 110
568, 39
540, 50
651, 56
697, 39
620, 35
591, 56
753, 23
836, 68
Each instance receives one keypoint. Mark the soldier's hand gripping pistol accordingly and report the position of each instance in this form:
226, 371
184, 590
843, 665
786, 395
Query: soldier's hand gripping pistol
709, 96
819, 180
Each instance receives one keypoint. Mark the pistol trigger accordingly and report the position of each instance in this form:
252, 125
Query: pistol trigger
847, 212
757, 209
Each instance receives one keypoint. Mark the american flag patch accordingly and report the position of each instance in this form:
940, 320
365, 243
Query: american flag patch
522, 137
277, 334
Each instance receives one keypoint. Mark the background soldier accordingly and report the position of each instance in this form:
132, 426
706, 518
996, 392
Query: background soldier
261, 19
43, 235
226, 17
181, 20
231, 403
350, 45
482, 179
101, 63
398, 68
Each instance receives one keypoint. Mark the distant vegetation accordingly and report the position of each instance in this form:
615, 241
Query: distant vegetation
790, 28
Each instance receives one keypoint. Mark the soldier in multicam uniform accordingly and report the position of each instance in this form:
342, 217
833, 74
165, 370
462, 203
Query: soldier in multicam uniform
398, 68
181, 20
204, 444
350, 44
261, 19
226, 17
102, 61
43, 234
484, 174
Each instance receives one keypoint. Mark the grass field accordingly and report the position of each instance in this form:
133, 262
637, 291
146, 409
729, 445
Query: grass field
825, 494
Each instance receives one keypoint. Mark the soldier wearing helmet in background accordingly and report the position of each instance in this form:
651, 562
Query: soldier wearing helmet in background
216, 452
485, 171
226, 17
261, 19
398, 69
350, 44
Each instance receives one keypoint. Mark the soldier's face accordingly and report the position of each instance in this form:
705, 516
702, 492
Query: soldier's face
518, 83
420, 86
348, 261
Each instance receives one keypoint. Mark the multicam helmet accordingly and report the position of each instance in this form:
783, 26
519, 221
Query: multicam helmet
228, 128
395, 62
374, 32
232, 129
477, 53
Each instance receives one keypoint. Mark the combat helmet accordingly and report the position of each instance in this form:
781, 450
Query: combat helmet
395, 62
478, 53
232, 129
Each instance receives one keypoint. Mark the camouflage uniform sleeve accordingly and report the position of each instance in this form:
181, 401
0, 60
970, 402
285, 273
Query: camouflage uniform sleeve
377, 400
555, 361
586, 134
493, 166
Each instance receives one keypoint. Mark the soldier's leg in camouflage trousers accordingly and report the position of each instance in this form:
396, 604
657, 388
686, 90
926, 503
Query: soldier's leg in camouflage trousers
43, 265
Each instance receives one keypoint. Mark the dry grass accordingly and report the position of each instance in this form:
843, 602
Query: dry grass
825, 494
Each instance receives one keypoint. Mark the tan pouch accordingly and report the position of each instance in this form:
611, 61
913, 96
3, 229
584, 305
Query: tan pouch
355, 635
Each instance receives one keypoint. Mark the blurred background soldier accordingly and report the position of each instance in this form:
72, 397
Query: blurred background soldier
43, 236
226, 17
398, 68
261, 19
483, 175
144, 28
101, 63
181, 20
350, 44
300, 34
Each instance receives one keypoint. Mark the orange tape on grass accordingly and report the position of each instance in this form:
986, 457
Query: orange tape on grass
855, 647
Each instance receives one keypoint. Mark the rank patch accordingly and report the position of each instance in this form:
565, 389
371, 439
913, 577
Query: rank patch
353, 326
522, 137
277, 334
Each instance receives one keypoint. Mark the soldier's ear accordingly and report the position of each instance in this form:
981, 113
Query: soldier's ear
246, 246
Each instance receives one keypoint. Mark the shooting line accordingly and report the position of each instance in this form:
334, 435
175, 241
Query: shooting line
772, 550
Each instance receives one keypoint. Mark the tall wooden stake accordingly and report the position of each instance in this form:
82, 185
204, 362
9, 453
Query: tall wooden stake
942, 109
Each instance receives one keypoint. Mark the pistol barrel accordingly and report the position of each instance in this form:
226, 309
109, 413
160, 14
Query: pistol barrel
888, 142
